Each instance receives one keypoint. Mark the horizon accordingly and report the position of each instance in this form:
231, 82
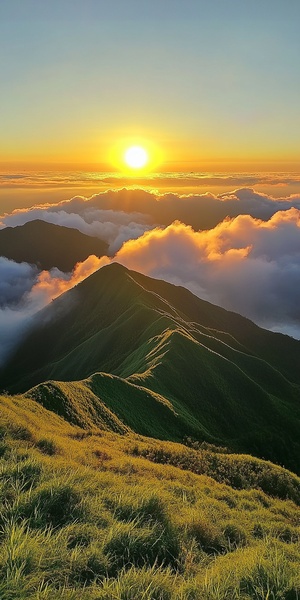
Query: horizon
199, 83
26, 188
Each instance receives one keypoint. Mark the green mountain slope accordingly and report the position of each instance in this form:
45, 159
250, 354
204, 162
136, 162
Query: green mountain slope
48, 245
180, 366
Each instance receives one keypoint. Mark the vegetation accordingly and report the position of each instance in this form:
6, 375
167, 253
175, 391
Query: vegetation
130, 483
172, 366
91, 514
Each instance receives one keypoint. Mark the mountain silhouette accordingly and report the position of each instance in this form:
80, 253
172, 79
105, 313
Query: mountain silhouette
47, 245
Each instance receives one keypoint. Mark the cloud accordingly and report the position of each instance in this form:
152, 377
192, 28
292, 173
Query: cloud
114, 227
244, 264
98, 180
15, 280
119, 215
240, 249
51, 284
24, 291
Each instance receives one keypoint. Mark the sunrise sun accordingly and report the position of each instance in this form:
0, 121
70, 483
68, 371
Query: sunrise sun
136, 157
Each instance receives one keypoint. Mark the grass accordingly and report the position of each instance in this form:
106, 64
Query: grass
239, 471
88, 514
154, 359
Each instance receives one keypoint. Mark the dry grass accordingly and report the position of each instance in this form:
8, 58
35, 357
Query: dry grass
88, 515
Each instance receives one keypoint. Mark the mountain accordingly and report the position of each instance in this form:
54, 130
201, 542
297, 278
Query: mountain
48, 245
91, 507
163, 363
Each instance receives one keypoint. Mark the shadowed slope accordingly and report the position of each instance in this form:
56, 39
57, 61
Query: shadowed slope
47, 245
112, 403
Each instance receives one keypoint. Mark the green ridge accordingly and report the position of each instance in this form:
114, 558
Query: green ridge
167, 365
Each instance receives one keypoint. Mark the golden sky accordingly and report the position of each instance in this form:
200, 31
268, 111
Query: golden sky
204, 85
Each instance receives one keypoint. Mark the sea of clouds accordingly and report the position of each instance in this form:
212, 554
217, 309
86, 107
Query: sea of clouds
240, 250
106, 213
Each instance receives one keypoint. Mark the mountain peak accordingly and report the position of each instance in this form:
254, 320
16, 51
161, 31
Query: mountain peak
220, 375
49, 245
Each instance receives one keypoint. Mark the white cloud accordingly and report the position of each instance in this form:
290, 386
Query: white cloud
15, 280
114, 227
24, 292
119, 215
246, 265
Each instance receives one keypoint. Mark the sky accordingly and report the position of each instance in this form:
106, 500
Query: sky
207, 85
211, 90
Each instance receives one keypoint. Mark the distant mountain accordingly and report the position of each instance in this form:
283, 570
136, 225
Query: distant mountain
48, 245
172, 366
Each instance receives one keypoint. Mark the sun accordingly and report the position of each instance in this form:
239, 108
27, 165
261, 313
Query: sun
136, 157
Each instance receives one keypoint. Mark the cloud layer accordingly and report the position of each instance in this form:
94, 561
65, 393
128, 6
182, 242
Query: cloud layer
244, 264
117, 216
15, 280
240, 250
114, 227
96, 179
24, 291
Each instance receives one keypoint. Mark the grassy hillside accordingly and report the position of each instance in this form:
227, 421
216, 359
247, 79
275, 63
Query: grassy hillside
48, 245
91, 514
281, 351
170, 372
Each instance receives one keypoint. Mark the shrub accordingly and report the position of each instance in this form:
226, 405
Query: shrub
128, 545
88, 566
137, 584
234, 535
47, 446
207, 536
54, 505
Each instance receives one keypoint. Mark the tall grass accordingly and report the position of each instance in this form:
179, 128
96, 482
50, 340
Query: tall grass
75, 526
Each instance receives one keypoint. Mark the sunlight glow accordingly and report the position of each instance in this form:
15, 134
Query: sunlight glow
136, 157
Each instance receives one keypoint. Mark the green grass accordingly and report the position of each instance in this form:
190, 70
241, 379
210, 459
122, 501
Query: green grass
154, 359
91, 514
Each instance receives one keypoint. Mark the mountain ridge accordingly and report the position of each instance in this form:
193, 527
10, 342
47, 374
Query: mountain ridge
49, 245
124, 327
